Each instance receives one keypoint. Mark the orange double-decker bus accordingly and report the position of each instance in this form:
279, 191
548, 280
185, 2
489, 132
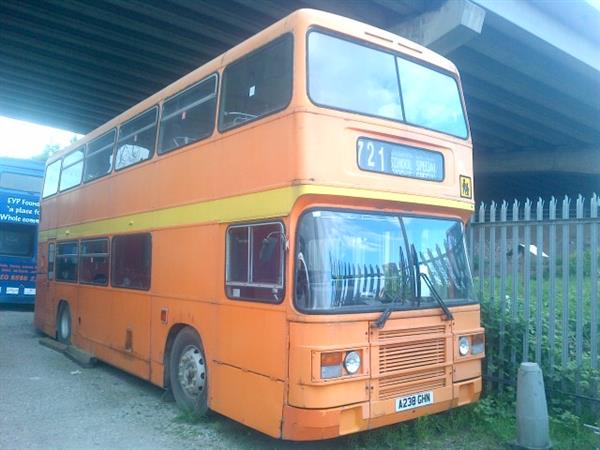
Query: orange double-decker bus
278, 235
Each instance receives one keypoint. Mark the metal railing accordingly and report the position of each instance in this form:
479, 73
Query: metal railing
536, 271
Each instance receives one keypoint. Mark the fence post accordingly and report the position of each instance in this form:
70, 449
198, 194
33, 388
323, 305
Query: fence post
503, 263
515, 280
565, 285
579, 304
481, 252
539, 275
594, 287
552, 291
594, 280
492, 298
526, 277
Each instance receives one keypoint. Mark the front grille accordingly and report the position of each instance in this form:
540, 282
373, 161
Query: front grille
385, 335
396, 385
411, 355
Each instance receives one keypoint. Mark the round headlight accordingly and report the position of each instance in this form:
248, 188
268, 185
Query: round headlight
464, 346
352, 362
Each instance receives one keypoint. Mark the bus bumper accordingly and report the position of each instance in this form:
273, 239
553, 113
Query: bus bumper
301, 424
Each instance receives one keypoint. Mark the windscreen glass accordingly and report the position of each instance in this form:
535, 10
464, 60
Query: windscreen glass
353, 77
353, 261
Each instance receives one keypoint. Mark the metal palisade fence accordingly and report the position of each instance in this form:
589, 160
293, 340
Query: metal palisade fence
535, 268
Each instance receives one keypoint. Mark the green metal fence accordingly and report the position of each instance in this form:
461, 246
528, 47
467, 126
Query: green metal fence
536, 271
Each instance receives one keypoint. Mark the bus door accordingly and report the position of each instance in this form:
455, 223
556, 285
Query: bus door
45, 281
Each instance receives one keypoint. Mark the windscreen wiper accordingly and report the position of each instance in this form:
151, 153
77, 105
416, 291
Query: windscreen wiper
436, 296
385, 315
432, 289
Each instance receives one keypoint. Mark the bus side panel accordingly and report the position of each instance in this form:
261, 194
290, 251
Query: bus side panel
265, 154
95, 313
254, 400
186, 268
130, 319
250, 338
44, 305
68, 292
248, 377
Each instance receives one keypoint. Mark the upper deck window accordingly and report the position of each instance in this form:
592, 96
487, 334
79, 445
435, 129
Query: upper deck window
136, 139
51, 179
257, 84
72, 169
188, 116
352, 77
20, 182
98, 158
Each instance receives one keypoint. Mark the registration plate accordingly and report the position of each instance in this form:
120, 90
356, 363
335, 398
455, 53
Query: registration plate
414, 401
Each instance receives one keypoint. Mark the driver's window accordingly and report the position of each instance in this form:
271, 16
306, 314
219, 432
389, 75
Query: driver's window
255, 255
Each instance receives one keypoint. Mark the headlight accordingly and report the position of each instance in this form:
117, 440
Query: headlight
352, 362
464, 346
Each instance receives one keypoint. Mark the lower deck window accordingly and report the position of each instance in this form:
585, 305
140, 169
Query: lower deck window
67, 258
255, 262
93, 267
131, 259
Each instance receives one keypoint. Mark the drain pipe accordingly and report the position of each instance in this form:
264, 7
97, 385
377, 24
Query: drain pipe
532, 409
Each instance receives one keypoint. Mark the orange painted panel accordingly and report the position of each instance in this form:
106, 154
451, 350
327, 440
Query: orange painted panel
306, 389
251, 399
130, 314
95, 317
97, 199
199, 315
253, 338
187, 262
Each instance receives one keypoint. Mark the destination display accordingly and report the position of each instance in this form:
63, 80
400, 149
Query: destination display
399, 160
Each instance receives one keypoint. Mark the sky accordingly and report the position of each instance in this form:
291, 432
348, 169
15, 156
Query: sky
20, 139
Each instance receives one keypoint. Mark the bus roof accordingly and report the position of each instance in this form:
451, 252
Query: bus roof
300, 19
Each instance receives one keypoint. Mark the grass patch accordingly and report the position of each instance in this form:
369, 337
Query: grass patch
189, 417
489, 424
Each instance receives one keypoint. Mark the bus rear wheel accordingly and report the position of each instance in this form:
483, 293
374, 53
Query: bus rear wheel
188, 372
63, 324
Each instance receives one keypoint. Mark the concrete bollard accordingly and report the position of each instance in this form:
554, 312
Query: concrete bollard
532, 409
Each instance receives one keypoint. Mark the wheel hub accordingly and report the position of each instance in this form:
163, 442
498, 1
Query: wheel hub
64, 326
192, 371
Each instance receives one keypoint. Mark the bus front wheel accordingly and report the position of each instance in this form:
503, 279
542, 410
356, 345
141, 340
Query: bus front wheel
63, 324
188, 372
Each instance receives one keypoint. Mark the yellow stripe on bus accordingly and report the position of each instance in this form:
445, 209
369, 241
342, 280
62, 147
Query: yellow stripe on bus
259, 205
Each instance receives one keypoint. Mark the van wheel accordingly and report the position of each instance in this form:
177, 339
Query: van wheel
63, 324
188, 372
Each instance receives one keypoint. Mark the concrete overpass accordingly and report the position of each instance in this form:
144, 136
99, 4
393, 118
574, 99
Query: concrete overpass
531, 69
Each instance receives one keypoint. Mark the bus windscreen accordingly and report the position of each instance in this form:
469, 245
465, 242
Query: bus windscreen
359, 261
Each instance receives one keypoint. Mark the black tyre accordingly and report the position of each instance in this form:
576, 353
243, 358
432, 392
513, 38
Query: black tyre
188, 372
63, 324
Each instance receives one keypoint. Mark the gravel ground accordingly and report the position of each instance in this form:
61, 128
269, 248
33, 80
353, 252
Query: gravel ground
49, 402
